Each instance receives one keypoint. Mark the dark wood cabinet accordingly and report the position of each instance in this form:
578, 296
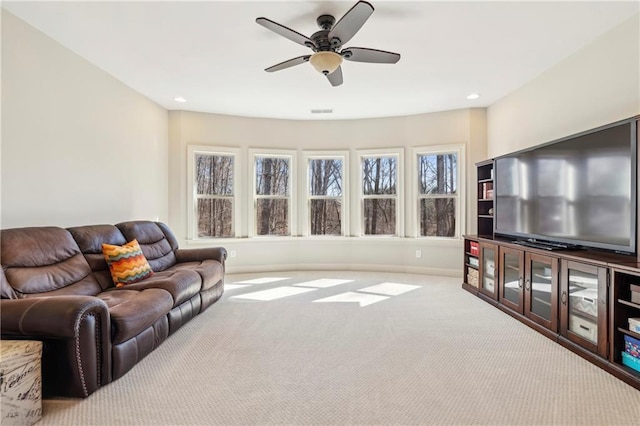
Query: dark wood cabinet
485, 198
583, 305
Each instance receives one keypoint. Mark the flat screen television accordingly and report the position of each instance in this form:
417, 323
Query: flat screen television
576, 191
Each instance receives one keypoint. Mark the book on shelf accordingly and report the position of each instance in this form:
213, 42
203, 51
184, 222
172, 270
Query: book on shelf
487, 190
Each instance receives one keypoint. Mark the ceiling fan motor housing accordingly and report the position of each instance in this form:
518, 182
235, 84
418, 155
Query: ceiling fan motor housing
325, 22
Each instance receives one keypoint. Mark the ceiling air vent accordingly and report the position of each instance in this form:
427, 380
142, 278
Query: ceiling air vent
322, 111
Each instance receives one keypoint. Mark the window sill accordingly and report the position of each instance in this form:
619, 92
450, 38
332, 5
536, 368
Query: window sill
423, 241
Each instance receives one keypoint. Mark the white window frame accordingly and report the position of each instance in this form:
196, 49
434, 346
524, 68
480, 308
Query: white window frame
192, 222
253, 197
459, 150
399, 196
307, 156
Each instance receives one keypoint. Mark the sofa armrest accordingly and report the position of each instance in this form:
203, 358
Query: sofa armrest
75, 331
200, 254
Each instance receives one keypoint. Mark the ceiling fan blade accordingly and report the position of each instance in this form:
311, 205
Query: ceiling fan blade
285, 32
288, 63
335, 78
362, 54
351, 22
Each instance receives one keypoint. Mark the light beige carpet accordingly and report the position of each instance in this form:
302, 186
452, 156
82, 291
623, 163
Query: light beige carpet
434, 354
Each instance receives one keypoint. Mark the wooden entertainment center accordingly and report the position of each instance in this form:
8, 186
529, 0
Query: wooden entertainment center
582, 299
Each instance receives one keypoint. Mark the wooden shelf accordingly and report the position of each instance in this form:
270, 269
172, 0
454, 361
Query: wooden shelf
626, 302
629, 333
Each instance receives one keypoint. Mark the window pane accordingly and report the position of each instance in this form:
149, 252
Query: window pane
437, 217
214, 174
380, 216
437, 174
272, 217
379, 175
215, 218
325, 177
325, 217
272, 176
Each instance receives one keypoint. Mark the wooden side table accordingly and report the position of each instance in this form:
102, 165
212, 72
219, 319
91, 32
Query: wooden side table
20, 382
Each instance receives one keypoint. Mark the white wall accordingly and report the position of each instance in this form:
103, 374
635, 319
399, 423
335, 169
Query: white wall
451, 127
597, 85
78, 146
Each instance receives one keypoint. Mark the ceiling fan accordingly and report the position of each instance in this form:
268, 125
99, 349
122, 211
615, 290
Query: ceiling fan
327, 43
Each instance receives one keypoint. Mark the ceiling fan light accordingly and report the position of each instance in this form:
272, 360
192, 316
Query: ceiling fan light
325, 62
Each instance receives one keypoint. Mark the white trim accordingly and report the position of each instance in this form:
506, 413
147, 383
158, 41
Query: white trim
292, 197
459, 150
305, 197
192, 150
286, 267
359, 208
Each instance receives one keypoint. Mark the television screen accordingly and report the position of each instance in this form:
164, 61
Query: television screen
579, 190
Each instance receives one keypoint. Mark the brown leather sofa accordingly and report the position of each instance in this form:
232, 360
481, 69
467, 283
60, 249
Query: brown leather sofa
56, 288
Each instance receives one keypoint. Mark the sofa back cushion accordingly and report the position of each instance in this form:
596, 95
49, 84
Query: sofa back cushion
45, 261
6, 292
90, 239
156, 240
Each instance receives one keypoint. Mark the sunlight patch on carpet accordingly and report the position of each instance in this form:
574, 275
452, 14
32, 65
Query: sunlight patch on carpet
274, 293
353, 297
389, 289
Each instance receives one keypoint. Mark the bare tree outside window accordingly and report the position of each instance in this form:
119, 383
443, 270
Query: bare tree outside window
325, 203
437, 194
379, 189
214, 195
272, 195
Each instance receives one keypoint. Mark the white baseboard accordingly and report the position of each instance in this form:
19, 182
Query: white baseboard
336, 267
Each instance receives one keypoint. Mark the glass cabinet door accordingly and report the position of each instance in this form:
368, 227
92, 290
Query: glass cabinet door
541, 289
583, 304
512, 271
488, 271
584, 295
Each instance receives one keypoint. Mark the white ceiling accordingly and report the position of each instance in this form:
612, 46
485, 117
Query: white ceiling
214, 54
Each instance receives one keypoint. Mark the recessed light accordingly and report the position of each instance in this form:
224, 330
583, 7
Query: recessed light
473, 96
180, 99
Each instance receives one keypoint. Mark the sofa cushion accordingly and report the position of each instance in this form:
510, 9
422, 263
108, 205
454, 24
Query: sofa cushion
90, 239
181, 284
41, 260
156, 240
133, 311
126, 263
211, 271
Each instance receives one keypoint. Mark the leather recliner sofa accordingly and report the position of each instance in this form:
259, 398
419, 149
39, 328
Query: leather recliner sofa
56, 287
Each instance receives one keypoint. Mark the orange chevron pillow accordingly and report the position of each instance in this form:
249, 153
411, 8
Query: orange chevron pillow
127, 263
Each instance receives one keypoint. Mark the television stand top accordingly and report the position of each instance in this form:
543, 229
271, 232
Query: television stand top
543, 245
